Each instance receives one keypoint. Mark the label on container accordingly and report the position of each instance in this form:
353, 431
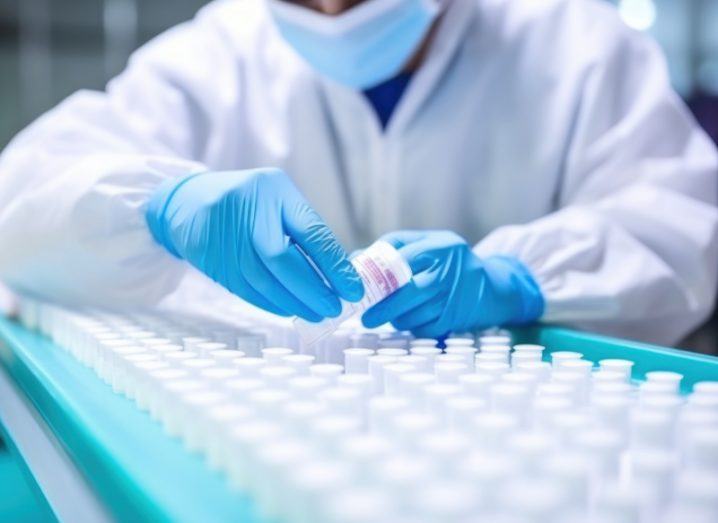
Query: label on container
382, 270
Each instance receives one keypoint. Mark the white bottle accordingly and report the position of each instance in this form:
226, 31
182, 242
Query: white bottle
382, 270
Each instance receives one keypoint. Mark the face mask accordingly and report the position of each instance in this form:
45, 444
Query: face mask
362, 47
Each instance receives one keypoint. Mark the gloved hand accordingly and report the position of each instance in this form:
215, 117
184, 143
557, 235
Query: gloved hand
244, 229
453, 289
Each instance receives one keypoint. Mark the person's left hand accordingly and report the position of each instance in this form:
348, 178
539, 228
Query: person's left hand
454, 290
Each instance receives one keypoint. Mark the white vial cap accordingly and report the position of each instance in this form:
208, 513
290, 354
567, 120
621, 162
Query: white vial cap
468, 353
657, 388
494, 339
496, 349
161, 350
392, 351
436, 395
448, 358
154, 342
366, 448
301, 414
274, 355
672, 379
487, 468
383, 410
249, 367
307, 387
509, 398
608, 376
706, 387
534, 500
248, 434
197, 364
320, 479
459, 342
460, 410
413, 384
429, 352
360, 505
492, 368
476, 384
530, 446
420, 363
360, 382
520, 378
450, 372
617, 365
540, 369
558, 357
342, 400
423, 342
529, 347
447, 447
493, 428
240, 388
579, 366
491, 357
331, 430
517, 358
326, 370
277, 375
204, 348
411, 426
168, 374
403, 472
215, 374
546, 407
612, 388
225, 357
301, 363
447, 500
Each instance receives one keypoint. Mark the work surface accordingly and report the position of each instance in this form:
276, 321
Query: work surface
137, 473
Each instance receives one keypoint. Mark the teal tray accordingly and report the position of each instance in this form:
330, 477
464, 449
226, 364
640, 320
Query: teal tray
143, 475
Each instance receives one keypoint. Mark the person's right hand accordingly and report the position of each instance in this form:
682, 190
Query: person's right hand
245, 229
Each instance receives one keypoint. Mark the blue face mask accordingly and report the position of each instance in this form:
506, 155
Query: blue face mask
362, 47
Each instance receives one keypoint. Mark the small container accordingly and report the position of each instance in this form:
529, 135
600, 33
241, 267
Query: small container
621, 366
356, 360
274, 355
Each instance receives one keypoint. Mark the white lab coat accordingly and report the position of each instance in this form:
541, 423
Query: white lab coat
545, 130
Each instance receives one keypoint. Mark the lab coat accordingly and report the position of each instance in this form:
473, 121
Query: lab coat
546, 130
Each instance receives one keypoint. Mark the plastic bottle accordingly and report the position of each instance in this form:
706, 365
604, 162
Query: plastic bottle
382, 270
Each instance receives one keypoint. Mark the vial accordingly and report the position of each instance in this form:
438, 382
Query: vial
382, 270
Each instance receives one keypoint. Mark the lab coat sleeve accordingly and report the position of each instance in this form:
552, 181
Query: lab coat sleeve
631, 250
75, 184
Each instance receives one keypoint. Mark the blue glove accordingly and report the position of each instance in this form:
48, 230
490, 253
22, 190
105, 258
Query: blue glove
454, 290
252, 232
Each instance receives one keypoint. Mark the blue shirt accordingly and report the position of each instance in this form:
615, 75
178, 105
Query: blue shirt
385, 96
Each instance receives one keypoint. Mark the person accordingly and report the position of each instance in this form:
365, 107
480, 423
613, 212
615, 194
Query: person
528, 159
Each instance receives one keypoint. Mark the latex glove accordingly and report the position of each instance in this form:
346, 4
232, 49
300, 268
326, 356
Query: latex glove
454, 290
243, 229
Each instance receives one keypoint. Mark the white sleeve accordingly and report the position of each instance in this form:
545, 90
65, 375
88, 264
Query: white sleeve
632, 249
75, 183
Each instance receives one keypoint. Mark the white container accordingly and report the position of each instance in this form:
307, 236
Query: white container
382, 271
356, 360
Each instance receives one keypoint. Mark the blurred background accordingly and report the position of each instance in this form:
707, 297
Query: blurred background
51, 48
